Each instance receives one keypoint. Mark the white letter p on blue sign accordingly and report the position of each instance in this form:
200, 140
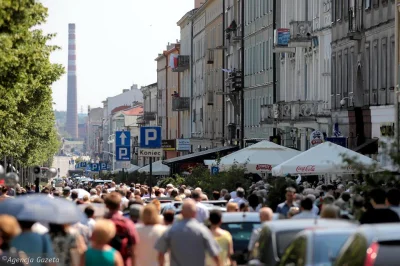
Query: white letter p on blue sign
151, 135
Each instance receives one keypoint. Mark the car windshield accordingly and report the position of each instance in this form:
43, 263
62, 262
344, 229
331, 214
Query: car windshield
241, 233
283, 240
326, 247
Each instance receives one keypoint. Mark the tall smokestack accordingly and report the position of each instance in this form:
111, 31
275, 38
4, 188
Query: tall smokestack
72, 97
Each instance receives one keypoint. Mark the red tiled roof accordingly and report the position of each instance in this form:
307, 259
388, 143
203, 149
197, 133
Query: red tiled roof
138, 110
119, 108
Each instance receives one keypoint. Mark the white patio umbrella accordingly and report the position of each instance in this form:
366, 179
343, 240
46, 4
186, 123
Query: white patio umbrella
326, 158
158, 169
133, 168
258, 158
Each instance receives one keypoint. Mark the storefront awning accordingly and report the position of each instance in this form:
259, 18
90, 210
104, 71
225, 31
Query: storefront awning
202, 155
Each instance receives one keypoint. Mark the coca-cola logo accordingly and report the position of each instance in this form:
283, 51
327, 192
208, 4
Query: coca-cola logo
266, 167
305, 168
316, 141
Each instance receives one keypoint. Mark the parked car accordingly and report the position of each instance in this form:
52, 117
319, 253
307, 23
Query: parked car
276, 236
241, 226
316, 247
372, 245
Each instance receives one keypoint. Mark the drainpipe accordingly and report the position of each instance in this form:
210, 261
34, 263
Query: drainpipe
223, 73
242, 69
166, 96
191, 80
179, 113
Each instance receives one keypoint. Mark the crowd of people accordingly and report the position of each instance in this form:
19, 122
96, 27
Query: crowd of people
137, 230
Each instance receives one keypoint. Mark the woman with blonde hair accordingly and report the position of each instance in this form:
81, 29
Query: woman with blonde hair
149, 232
100, 253
9, 228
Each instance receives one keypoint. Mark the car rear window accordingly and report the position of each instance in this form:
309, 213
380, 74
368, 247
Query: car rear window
327, 247
241, 233
388, 253
283, 240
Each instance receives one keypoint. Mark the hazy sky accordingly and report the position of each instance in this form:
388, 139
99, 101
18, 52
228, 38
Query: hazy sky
116, 41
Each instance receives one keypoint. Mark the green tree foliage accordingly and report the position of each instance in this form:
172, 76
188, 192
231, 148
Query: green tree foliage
277, 190
27, 128
375, 175
202, 177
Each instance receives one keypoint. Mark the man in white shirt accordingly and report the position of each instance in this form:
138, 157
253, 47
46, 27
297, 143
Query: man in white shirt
233, 193
202, 212
306, 206
239, 199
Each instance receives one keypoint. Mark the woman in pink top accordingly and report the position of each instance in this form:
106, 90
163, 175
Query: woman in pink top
149, 232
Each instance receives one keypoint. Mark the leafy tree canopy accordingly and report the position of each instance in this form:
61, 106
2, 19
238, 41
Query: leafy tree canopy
27, 128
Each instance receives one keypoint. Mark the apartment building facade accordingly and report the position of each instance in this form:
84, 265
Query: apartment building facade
303, 47
150, 105
260, 70
168, 83
363, 71
233, 61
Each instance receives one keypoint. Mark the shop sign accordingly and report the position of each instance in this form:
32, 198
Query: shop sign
316, 137
168, 144
183, 145
263, 167
305, 168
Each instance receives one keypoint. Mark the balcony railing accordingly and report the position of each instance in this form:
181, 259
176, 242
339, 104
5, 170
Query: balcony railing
149, 116
300, 33
183, 63
180, 103
299, 110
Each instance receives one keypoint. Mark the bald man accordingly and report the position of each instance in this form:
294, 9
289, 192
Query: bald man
266, 214
187, 240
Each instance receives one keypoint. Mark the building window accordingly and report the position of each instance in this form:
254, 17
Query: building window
333, 83
383, 65
351, 72
367, 4
334, 2
391, 64
346, 9
375, 73
368, 77
339, 76
345, 76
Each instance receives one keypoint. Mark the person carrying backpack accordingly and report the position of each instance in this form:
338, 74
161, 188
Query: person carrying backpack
126, 236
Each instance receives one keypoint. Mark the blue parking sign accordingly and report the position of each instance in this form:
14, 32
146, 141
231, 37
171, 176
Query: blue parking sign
95, 167
150, 137
214, 170
103, 166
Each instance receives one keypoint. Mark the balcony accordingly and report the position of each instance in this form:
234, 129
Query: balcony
354, 25
149, 116
300, 34
182, 64
294, 111
180, 103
